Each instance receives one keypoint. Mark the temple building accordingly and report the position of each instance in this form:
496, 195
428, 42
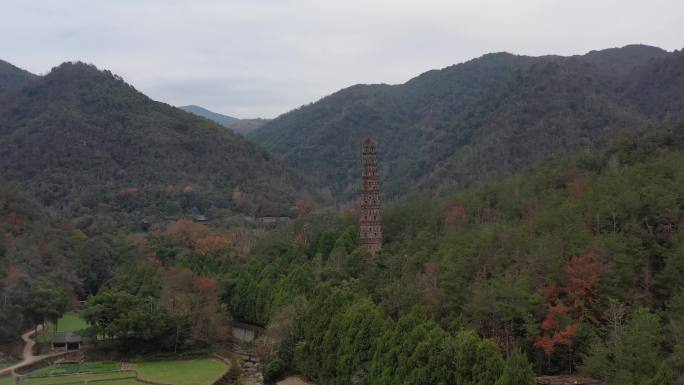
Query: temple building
370, 229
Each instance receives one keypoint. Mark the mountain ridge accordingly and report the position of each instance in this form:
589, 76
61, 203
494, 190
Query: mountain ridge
13, 77
85, 142
466, 123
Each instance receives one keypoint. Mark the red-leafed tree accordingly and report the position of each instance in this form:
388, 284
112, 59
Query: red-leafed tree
569, 305
582, 274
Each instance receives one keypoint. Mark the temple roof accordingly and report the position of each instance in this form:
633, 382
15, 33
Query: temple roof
66, 338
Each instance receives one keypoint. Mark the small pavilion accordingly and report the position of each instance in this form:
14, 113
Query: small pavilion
66, 341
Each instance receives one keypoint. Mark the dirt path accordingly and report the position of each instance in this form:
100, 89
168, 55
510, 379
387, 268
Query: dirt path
28, 357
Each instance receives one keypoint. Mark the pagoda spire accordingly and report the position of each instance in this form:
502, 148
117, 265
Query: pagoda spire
370, 229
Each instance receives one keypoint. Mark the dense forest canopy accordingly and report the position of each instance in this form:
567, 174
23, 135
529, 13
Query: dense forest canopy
578, 263
91, 147
486, 118
575, 265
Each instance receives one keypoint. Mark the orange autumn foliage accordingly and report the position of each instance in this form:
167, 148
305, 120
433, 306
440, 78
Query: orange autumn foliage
579, 291
582, 276
203, 283
566, 336
545, 343
550, 322
196, 236
186, 232
212, 244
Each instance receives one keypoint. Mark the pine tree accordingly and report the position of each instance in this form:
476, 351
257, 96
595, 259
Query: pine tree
517, 371
663, 376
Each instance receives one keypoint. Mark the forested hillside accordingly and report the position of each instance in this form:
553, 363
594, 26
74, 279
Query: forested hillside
575, 265
13, 78
476, 121
91, 147
47, 265
578, 263
45, 262
245, 126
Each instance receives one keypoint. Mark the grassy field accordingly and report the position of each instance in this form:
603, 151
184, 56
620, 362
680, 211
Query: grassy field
54, 380
127, 381
70, 322
7, 380
92, 367
191, 372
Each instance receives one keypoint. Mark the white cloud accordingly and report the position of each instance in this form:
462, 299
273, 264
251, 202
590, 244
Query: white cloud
263, 57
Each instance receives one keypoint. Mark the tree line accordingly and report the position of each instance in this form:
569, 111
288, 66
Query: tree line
577, 265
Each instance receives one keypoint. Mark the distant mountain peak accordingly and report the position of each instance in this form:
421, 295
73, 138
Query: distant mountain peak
622, 60
641, 48
221, 119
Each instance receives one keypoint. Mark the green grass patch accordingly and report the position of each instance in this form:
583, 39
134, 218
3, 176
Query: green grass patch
77, 378
71, 322
91, 367
190, 372
7, 380
127, 381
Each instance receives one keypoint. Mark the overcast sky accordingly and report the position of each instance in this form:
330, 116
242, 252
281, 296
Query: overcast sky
261, 58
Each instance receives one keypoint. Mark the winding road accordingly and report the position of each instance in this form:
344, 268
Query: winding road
27, 355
